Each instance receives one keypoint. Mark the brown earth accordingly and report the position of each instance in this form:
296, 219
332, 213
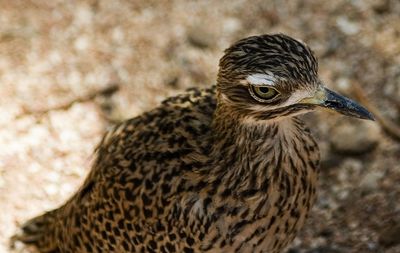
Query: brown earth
57, 55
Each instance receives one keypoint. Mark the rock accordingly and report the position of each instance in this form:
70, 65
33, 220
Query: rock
349, 169
200, 38
354, 137
231, 25
372, 246
347, 26
370, 180
51, 189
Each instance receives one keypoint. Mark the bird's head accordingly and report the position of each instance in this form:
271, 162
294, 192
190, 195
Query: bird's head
273, 76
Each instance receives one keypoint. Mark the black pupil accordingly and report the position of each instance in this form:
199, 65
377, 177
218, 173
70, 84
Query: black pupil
263, 89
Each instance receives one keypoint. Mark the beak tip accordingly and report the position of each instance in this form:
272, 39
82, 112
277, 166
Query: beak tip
346, 106
370, 117
363, 113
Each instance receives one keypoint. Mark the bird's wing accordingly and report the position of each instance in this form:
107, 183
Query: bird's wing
139, 162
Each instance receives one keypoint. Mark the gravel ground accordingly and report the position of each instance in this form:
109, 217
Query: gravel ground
57, 55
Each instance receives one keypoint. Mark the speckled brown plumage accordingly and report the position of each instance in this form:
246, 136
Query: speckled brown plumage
212, 170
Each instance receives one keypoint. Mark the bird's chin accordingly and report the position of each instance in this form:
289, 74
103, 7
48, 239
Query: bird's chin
302, 109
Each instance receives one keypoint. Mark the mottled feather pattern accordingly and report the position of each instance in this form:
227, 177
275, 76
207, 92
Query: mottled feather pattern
205, 171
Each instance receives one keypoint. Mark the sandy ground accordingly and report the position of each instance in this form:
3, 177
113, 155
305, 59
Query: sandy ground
55, 52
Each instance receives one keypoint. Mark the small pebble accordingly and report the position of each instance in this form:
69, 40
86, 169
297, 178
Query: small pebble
53, 176
354, 137
370, 180
51, 189
347, 26
200, 38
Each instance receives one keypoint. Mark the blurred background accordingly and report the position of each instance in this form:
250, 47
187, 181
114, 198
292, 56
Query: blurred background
71, 69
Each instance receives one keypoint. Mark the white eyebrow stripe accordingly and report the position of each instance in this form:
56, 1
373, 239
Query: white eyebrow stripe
261, 79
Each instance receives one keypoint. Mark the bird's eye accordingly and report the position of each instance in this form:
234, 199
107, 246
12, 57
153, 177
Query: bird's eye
263, 92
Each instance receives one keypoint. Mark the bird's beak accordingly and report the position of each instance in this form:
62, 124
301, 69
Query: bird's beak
331, 100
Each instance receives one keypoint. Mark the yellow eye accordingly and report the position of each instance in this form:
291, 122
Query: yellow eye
264, 92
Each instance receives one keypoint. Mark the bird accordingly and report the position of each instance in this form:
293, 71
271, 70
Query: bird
227, 168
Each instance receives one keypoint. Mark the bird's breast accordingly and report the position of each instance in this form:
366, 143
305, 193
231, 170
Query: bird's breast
263, 198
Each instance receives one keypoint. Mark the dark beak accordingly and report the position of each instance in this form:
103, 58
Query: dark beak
334, 101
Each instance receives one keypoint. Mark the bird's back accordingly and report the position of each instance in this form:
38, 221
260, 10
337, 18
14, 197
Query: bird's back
134, 182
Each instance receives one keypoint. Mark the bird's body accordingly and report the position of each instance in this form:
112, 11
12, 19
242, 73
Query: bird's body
203, 172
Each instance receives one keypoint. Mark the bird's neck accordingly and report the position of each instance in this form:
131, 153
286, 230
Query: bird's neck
254, 152
230, 125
